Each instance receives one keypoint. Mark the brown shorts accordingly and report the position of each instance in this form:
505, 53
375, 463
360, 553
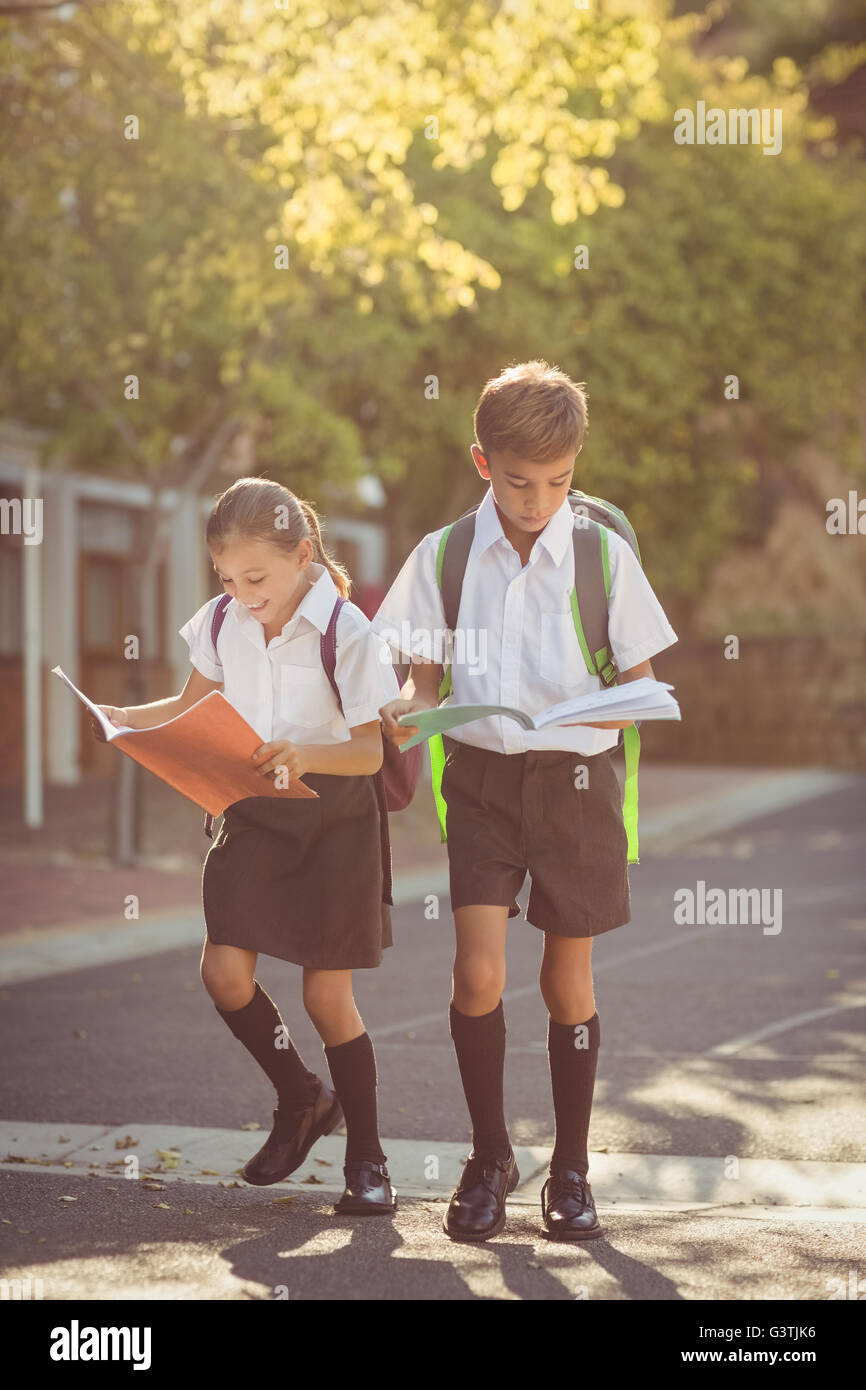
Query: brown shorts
512, 812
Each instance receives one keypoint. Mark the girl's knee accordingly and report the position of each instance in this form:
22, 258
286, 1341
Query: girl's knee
228, 982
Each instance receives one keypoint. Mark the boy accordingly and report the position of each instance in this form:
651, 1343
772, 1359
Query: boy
514, 801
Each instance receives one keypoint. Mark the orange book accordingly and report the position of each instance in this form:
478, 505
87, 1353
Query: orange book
203, 753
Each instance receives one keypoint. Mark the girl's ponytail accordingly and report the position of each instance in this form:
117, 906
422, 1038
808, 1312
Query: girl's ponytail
338, 572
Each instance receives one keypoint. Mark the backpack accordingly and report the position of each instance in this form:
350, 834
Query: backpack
398, 776
590, 614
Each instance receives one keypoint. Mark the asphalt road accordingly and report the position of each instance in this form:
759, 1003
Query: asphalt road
716, 1041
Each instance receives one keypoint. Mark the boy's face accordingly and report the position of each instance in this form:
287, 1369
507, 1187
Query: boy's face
526, 493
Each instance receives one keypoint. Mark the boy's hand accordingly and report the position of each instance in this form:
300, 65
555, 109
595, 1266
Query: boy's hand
390, 713
111, 712
272, 756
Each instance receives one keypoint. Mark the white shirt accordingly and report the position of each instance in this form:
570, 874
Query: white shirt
281, 687
516, 643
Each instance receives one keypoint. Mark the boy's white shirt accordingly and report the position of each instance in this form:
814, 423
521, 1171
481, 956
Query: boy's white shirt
520, 647
281, 687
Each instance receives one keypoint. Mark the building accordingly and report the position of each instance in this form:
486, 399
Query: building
68, 589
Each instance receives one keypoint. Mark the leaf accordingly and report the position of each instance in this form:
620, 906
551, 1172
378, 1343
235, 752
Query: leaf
127, 1142
313, 1179
69, 1199
210, 1172
162, 1206
251, 1124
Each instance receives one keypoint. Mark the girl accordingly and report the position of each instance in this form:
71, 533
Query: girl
299, 879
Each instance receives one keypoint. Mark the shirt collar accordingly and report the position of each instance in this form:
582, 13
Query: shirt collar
556, 536
316, 606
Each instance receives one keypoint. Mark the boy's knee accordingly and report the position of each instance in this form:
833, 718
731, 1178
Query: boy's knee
478, 983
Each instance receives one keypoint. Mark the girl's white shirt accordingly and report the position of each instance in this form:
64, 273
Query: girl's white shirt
516, 644
281, 687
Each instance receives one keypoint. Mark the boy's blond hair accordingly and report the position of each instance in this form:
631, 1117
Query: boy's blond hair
533, 410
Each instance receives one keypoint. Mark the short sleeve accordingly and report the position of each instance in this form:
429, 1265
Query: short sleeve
637, 624
411, 618
197, 635
364, 671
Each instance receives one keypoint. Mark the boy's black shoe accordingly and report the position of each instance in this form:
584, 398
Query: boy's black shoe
294, 1133
477, 1209
568, 1208
368, 1189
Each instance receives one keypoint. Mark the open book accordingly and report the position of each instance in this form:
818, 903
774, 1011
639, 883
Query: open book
203, 753
641, 699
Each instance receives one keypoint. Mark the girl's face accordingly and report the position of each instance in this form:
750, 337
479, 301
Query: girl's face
269, 582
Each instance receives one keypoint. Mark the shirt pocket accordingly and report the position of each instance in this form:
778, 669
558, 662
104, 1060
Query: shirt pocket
561, 662
306, 696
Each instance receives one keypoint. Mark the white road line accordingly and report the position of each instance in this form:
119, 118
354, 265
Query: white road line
783, 1025
428, 1168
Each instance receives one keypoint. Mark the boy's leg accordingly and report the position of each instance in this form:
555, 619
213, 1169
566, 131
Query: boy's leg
478, 1023
573, 1036
477, 1209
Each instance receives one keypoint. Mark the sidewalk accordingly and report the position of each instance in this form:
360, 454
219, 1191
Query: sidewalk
62, 876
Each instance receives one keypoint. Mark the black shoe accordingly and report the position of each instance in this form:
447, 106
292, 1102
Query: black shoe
368, 1189
294, 1133
477, 1209
568, 1208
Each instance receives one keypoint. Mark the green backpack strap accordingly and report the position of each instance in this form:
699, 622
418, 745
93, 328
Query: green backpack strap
456, 540
590, 615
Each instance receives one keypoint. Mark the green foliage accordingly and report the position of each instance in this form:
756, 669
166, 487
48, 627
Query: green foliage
430, 180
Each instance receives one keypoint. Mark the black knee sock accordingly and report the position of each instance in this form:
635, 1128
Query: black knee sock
353, 1072
480, 1046
261, 1030
572, 1076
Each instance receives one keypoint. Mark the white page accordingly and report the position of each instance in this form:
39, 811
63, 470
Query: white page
110, 730
645, 697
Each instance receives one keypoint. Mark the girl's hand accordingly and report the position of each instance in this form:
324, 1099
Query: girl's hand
390, 713
282, 754
112, 713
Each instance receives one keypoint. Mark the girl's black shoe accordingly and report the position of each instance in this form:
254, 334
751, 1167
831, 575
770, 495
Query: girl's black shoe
368, 1189
294, 1133
568, 1208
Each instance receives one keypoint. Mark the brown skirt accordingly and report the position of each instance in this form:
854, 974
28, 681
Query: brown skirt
305, 881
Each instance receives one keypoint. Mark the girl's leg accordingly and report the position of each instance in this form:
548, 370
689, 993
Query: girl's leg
572, 1045
228, 974
330, 1003
478, 1023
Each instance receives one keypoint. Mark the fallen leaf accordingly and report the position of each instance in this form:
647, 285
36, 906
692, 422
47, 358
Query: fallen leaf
211, 1172
127, 1142
312, 1179
188, 1211
69, 1199
80, 1033
63, 1139
325, 1162
69, 1164
162, 1206
251, 1124
277, 1200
